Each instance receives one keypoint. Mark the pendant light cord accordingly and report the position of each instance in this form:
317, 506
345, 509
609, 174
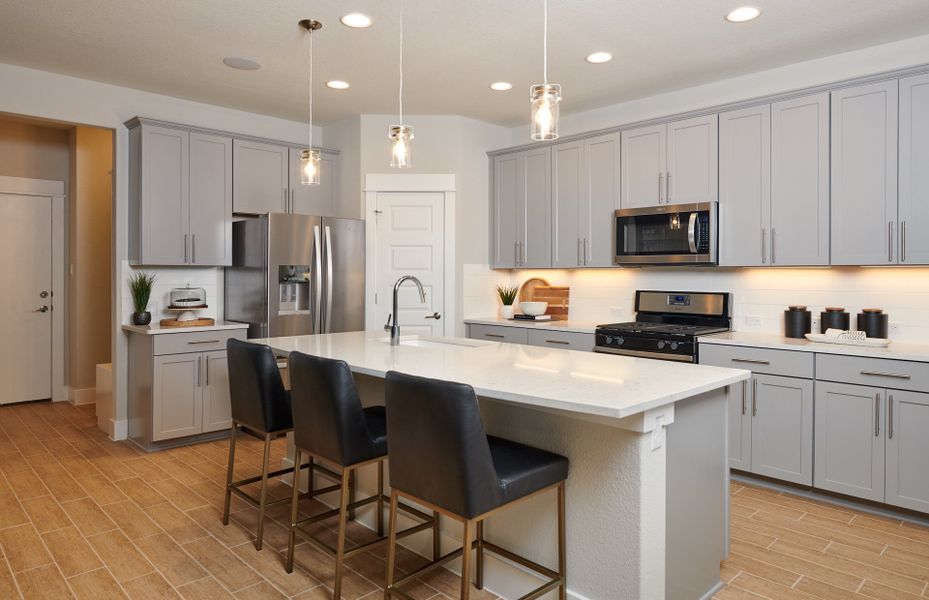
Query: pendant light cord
545, 41
401, 62
310, 147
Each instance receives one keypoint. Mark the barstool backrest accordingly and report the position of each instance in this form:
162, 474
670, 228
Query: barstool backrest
256, 391
328, 417
438, 449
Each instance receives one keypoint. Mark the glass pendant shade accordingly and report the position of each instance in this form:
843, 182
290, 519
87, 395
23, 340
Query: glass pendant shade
309, 167
401, 146
544, 102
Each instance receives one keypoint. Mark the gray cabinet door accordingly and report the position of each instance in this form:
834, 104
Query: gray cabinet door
864, 174
217, 408
799, 232
644, 162
165, 195
601, 176
744, 186
849, 440
260, 173
782, 428
907, 481
693, 160
535, 209
210, 200
318, 200
740, 426
506, 189
914, 176
177, 396
569, 193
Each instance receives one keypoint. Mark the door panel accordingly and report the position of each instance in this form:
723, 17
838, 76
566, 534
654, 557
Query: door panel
907, 483
177, 396
260, 175
693, 160
506, 195
210, 200
568, 195
602, 169
535, 209
26, 265
644, 156
782, 428
320, 200
217, 407
744, 186
864, 175
165, 196
914, 176
343, 275
740, 427
849, 440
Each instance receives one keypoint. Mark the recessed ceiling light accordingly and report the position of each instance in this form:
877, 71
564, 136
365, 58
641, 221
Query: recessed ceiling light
243, 64
501, 86
356, 20
599, 57
338, 85
743, 13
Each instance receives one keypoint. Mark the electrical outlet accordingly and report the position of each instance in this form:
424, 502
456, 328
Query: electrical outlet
894, 327
616, 310
753, 320
814, 325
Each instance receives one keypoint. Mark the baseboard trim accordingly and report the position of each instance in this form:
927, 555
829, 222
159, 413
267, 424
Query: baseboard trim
81, 396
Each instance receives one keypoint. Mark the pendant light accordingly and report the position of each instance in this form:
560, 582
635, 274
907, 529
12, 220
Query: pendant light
401, 136
309, 158
545, 98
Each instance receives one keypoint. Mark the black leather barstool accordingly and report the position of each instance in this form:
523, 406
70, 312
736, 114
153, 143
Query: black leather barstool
441, 458
330, 425
260, 405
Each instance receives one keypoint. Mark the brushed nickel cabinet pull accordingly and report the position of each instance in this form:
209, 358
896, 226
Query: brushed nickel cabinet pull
660, 182
667, 191
562, 342
773, 255
754, 397
199, 370
883, 374
204, 342
877, 415
493, 335
752, 361
193, 248
208, 371
185, 248
890, 241
579, 251
902, 241
764, 246
890, 416
743, 396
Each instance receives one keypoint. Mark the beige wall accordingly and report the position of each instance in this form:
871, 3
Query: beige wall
90, 247
33, 151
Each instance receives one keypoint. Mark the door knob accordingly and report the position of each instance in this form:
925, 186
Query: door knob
41, 309
435, 316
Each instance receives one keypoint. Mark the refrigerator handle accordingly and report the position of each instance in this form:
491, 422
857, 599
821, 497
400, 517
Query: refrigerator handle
328, 278
317, 251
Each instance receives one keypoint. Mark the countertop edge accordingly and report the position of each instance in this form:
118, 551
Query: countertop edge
148, 330
568, 326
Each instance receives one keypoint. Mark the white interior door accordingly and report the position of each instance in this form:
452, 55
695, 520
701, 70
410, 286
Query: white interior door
25, 327
410, 240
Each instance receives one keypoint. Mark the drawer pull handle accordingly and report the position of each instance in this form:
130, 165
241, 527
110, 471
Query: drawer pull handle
743, 396
890, 416
877, 415
754, 397
883, 374
752, 361
563, 343
493, 335
204, 342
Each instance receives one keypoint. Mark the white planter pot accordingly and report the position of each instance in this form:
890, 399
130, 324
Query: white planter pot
508, 311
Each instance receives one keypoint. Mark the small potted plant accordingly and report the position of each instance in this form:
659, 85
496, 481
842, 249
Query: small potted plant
507, 295
140, 285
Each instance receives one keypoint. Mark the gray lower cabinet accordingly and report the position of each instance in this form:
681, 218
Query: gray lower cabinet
217, 407
566, 340
907, 450
261, 177
782, 428
322, 199
498, 333
849, 440
177, 399
522, 209
740, 426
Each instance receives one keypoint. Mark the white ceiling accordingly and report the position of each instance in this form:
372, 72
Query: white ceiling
453, 48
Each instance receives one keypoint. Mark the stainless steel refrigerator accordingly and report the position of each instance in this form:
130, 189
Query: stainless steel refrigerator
296, 275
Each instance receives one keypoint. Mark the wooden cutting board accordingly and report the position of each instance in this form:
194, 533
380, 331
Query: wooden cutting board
204, 322
557, 296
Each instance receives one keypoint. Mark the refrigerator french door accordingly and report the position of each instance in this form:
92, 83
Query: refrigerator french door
296, 275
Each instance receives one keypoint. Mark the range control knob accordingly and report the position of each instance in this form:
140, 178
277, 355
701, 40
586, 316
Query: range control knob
661, 345
609, 340
620, 341
674, 345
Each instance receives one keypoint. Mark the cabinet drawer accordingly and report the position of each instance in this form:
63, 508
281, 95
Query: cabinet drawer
567, 340
759, 360
497, 333
879, 372
195, 341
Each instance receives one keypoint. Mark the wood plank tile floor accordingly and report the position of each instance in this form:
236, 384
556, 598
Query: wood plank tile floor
84, 517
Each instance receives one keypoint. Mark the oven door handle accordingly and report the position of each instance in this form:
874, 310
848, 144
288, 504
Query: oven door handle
692, 233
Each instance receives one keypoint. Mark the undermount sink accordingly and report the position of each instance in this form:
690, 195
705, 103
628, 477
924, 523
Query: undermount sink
422, 342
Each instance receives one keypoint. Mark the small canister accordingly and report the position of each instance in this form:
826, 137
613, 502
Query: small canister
873, 322
834, 318
797, 322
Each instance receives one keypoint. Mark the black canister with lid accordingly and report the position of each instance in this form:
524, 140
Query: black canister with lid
834, 318
797, 322
873, 322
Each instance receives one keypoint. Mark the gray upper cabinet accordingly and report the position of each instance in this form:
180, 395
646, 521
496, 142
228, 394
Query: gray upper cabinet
644, 164
849, 440
505, 250
569, 195
602, 186
782, 428
914, 175
744, 187
864, 174
534, 209
322, 199
907, 481
799, 233
693, 161
261, 180
210, 200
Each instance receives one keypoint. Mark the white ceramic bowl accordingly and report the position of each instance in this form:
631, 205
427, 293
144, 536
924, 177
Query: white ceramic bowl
533, 308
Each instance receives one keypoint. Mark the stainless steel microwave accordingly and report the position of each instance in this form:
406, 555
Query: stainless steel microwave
672, 234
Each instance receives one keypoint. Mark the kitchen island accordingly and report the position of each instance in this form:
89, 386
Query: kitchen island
647, 499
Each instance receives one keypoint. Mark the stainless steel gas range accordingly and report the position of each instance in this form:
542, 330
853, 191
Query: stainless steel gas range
667, 325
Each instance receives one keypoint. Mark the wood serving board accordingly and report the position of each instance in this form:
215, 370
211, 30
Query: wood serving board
204, 322
557, 296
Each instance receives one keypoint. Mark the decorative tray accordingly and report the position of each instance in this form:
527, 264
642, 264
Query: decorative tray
866, 342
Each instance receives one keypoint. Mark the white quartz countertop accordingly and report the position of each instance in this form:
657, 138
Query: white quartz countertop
582, 383
573, 326
156, 329
895, 351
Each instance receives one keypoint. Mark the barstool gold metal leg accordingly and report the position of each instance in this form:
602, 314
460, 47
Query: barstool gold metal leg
436, 537
264, 491
340, 542
380, 498
479, 563
562, 555
466, 559
391, 544
294, 500
229, 471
